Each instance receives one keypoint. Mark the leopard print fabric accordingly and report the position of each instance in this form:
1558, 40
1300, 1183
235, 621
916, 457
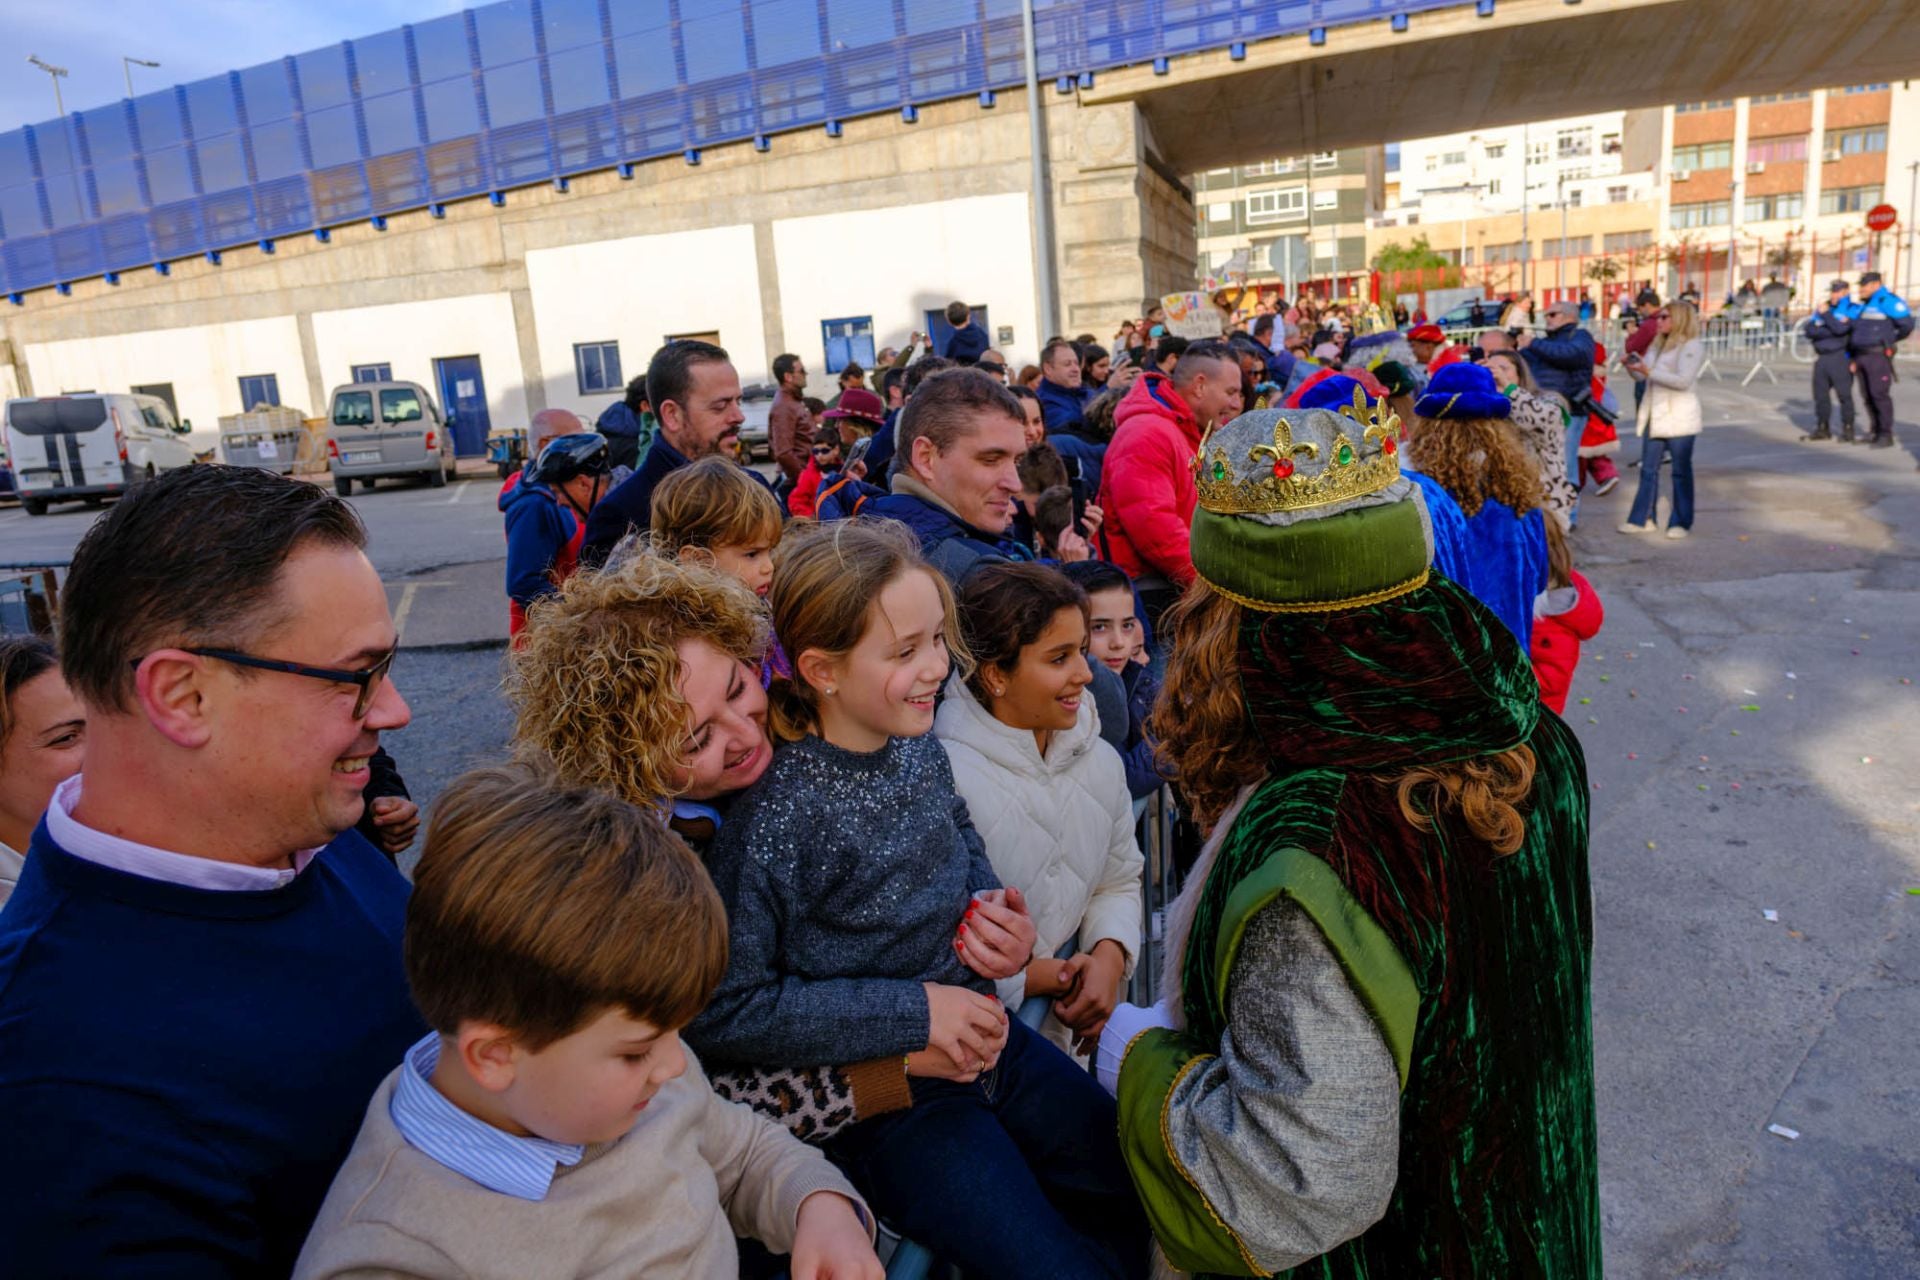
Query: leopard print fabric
813, 1103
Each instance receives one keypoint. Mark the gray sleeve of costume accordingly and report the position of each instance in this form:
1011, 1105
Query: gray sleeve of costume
1293, 1132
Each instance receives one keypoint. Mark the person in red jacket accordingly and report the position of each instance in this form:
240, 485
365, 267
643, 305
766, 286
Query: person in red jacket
1146, 483
1565, 615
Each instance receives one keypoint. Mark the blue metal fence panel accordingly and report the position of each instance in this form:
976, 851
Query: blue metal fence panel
528, 91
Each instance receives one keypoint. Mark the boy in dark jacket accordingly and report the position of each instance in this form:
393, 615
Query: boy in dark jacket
969, 340
1117, 637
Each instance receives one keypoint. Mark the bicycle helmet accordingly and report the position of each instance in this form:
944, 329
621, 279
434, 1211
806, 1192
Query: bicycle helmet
583, 453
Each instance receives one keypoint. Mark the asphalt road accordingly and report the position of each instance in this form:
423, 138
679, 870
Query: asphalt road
1752, 739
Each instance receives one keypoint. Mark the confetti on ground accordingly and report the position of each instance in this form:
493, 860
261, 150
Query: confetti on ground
1915, 891
1703, 759
1687, 676
1652, 845
1681, 710
1604, 679
1866, 759
1770, 916
1751, 693
1586, 702
1781, 1131
1743, 537
1856, 653
1733, 733
1593, 719
1734, 785
1635, 755
1903, 680
1751, 706
1792, 676
1703, 786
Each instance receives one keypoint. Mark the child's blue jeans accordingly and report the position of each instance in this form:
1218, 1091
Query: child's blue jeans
1017, 1174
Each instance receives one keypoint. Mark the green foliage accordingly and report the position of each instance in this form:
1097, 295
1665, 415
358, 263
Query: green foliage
1409, 257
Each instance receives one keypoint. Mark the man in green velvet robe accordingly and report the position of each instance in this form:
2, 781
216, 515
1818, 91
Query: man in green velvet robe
1375, 1056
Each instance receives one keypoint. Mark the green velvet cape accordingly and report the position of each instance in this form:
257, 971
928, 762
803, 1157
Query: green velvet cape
1475, 965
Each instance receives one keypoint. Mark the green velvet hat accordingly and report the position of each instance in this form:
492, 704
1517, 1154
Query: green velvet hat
1305, 511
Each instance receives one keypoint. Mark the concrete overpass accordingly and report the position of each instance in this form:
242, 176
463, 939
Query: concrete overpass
1451, 69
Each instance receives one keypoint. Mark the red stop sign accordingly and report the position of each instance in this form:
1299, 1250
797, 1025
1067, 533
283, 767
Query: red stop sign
1881, 217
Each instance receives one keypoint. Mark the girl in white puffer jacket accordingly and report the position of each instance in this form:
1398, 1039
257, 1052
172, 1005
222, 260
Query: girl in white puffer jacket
1046, 793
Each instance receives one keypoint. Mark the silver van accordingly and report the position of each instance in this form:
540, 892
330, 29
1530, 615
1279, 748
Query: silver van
386, 429
89, 447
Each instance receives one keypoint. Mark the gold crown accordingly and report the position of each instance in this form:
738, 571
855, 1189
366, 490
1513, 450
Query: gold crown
1269, 479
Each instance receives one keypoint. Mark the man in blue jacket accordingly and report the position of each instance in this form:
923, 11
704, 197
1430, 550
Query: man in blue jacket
1562, 361
1829, 328
1063, 398
1881, 320
695, 394
200, 971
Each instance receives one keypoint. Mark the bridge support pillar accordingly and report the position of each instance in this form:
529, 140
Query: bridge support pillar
1124, 220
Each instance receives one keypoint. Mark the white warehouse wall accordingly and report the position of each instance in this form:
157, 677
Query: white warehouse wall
637, 291
410, 336
204, 363
894, 264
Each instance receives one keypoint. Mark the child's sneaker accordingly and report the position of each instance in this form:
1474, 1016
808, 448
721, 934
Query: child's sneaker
1606, 486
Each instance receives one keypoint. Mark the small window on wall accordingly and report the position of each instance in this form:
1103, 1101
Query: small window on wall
848, 341
597, 366
259, 390
373, 373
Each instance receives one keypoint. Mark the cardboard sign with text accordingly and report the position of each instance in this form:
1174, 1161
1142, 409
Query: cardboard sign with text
1192, 316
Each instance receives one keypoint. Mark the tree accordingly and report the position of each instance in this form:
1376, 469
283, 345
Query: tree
1410, 257
1604, 270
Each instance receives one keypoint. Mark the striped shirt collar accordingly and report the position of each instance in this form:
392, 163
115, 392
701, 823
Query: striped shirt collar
468, 1145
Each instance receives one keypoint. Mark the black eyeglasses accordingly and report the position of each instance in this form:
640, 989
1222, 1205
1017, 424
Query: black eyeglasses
368, 679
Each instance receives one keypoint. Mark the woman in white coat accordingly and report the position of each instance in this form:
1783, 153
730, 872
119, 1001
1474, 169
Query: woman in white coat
1669, 418
1046, 793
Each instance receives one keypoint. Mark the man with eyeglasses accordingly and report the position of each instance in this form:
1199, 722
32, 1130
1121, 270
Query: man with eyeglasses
200, 972
1562, 362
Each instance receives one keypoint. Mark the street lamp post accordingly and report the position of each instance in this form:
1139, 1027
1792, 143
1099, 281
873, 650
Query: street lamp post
53, 73
127, 64
1042, 196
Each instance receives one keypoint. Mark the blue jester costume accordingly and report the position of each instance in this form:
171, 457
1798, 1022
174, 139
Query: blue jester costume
1376, 1060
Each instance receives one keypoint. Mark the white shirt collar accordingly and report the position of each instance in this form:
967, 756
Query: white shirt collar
158, 864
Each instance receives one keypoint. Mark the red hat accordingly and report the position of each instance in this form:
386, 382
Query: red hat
1426, 333
1449, 355
857, 402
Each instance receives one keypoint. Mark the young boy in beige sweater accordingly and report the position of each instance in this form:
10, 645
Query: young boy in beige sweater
553, 1124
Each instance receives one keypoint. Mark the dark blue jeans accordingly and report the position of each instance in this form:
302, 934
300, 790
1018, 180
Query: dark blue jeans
1017, 1174
1681, 514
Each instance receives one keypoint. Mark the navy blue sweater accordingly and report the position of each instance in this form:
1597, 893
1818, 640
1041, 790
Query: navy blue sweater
182, 1070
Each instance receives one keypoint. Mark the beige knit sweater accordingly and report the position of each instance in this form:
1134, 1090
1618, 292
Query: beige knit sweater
666, 1200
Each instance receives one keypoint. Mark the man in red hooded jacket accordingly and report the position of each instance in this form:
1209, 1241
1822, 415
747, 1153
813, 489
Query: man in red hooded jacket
1146, 484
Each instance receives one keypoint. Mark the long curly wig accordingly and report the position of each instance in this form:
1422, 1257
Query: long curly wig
1206, 743
595, 681
1475, 459
1209, 744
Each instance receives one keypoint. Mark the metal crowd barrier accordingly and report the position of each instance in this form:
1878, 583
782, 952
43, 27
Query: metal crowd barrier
29, 598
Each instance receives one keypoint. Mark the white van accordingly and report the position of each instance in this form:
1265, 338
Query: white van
386, 429
89, 447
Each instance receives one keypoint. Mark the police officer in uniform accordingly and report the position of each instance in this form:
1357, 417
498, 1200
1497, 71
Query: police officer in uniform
1880, 319
1828, 329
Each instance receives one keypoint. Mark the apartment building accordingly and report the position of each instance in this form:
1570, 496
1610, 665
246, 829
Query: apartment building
1298, 219
1781, 184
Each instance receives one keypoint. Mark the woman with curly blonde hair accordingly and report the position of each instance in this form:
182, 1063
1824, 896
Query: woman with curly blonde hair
1375, 1056
642, 679
1463, 438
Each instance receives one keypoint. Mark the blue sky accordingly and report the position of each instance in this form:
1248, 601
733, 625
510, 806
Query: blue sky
191, 39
